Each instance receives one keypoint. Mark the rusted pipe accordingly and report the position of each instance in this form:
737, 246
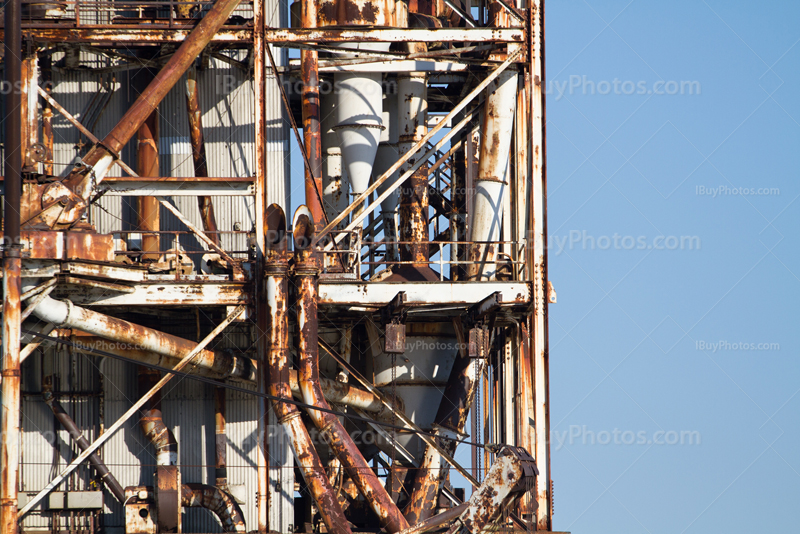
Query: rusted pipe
306, 281
152, 422
276, 293
97, 162
222, 365
213, 499
450, 422
12, 281
216, 500
221, 440
74, 432
148, 208
312, 128
139, 339
413, 213
197, 139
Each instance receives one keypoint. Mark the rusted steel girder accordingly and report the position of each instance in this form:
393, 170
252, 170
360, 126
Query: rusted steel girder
340, 442
199, 154
12, 280
450, 421
513, 473
95, 164
74, 432
276, 293
232, 35
312, 128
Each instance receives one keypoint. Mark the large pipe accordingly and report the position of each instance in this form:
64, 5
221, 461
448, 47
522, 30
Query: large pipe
413, 108
277, 329
167, 477
152, 421
450, 422
12, 281
312, 128
148, 208
218, 501
96, 163
64, 314
487, 212
340, 442
66, 421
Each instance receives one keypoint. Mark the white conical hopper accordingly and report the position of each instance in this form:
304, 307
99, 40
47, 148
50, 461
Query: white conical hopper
358, 113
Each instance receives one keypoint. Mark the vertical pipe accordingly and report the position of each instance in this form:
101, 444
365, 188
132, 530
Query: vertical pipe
413, 107
9, 390
148, 208
276, 329
491, 182
199, 154
340, 442
312, 130
221, 464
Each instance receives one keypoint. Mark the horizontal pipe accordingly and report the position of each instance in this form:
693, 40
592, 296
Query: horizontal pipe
218, 364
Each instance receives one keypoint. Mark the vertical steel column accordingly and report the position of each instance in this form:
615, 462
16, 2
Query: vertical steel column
312, 128
537, 261
9, 390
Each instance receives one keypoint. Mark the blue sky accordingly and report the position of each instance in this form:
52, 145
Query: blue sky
682, 324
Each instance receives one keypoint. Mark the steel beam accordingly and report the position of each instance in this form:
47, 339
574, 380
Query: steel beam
104, 36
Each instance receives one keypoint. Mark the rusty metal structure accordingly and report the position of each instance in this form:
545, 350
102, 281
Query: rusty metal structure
180, 353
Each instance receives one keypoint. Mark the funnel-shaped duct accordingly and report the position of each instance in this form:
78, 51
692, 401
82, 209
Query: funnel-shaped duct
359, 124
